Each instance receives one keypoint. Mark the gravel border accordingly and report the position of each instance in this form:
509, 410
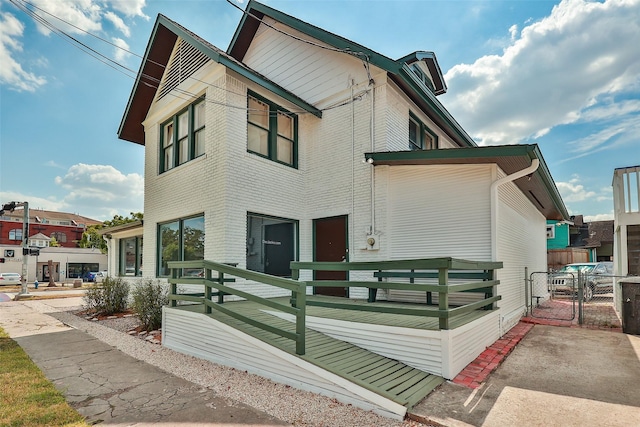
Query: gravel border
298, 407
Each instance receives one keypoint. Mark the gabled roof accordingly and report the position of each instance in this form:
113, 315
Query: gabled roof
156, 58
539, 187
398, 70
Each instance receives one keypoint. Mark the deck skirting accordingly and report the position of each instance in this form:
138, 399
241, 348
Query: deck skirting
442, 352
201, 336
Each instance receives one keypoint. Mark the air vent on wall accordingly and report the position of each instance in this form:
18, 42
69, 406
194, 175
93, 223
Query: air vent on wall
186, 60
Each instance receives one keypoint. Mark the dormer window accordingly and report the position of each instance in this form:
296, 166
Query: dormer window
420, 136
422, 76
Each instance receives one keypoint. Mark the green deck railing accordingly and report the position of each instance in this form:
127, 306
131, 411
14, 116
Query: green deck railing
481, 276
210, 282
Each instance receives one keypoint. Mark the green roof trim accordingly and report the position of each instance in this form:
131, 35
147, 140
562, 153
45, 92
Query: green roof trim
398, 69
538, 188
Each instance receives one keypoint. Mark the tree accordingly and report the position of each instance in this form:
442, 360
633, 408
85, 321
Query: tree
91, 238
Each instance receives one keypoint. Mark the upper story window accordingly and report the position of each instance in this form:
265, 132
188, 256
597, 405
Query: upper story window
271, 131
15, 234
420, 136
59, 236
183, 136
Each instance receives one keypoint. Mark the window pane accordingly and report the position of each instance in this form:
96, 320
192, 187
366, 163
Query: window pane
199, 115
168, 158
199, 148
429, 142
257, 140
258, 113
285, 150
414, 143
183, 124
128, 257
168, 135
285, 125
183, 153
139, 265
271, 244
169, 246
193, 243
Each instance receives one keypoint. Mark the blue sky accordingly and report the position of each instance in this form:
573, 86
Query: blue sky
562, 74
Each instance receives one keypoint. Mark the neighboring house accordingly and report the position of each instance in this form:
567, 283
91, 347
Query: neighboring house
280, 150
69, 261
66, 228
124, 243
626, 202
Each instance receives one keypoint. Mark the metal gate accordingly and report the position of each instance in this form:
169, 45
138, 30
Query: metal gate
553, 296
567, 296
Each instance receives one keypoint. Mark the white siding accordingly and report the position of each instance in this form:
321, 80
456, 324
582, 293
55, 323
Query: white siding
440, 211
313, 73
521, 242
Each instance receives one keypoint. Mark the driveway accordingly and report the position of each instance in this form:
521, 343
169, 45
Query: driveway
555, 376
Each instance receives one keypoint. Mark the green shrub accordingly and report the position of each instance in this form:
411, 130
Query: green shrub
109, 297
148, 299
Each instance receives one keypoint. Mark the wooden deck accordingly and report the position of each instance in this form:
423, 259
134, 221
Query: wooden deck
382, 375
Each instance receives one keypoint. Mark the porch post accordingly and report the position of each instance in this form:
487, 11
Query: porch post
443, 297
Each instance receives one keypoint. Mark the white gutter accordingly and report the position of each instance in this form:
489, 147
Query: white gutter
494, 201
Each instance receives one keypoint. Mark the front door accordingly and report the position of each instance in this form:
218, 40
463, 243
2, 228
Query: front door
330, 235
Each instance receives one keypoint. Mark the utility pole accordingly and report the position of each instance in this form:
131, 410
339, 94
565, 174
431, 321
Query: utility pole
25, 240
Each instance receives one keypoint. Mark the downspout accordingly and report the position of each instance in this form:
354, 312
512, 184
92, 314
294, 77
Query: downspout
494, 200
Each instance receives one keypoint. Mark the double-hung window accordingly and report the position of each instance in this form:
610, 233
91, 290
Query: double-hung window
183, 136
420, 136
180, 240
271, 131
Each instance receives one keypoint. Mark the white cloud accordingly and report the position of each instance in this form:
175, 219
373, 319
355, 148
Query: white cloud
121, 52
101, 190
11, 72
598, 217
572, 191
118, 23
74, 16
552, 71
34, 202
130, 8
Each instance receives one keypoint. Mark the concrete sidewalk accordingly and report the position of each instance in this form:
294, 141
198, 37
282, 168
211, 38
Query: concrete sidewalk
554, 377
111, 388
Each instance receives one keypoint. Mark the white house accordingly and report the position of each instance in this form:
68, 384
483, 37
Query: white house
299, 145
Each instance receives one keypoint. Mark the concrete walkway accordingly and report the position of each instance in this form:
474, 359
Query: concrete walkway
111, 388
554, 377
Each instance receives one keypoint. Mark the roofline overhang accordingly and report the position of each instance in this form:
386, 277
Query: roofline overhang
144, 78
499, 155
429, 58
122, 227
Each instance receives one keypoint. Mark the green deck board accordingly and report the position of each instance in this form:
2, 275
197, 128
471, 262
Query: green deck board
390, 378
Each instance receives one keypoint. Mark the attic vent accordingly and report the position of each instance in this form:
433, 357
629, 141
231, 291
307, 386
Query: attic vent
186, 61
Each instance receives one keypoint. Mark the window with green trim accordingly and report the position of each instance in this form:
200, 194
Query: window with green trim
180, 240
130, 256
420, 136
182, 137
271, 131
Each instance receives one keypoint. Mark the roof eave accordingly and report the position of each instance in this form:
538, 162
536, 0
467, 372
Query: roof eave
490, 154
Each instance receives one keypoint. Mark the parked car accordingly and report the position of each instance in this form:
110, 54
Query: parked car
100, 276
10, 279
89, 276
597, 278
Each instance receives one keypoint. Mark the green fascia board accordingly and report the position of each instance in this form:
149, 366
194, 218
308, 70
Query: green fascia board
434, 68
222, 58
317, 33
532, 151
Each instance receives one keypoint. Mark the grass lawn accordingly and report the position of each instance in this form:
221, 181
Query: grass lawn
27, 397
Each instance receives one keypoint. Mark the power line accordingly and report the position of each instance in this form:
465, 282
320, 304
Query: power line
184, 95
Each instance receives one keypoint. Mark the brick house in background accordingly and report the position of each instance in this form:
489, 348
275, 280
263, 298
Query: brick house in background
68, 260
